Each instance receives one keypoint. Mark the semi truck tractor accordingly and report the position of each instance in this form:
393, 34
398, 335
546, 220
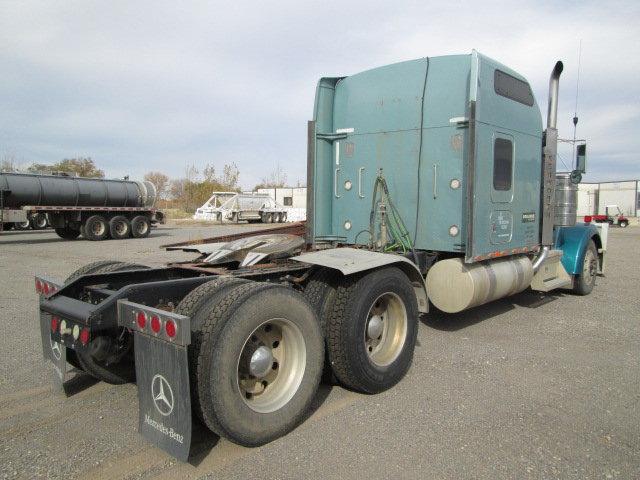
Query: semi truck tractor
432, 184
95, 208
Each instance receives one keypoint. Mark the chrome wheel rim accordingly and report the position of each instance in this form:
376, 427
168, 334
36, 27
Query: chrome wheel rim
385, 331
98, 228
590, 266
121, 228
271, 365
142, 228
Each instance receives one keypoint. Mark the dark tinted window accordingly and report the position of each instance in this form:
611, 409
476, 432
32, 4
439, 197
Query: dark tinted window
512, 87
288, 201
502, 164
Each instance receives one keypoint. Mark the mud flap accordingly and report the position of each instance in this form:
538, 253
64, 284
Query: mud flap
162, 375
51, 350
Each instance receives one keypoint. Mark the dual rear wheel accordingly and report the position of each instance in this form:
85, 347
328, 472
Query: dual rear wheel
255, 359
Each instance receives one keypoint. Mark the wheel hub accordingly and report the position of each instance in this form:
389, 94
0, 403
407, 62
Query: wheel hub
261, 362
375, 327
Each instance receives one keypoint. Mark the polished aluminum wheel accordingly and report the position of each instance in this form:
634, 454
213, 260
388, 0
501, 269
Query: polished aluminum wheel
271, 365
386, 329
590, 266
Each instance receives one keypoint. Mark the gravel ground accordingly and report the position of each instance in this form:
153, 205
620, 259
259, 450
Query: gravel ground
534, 386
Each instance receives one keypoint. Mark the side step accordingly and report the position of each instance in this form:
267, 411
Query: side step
552, 274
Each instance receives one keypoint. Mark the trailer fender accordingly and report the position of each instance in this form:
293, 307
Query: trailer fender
161, 339
351, 260
573, 242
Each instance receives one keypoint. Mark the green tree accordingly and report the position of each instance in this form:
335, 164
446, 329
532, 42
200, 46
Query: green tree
81, 166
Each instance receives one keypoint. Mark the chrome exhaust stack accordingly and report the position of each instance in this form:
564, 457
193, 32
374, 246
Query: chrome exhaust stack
554, 89
548, 192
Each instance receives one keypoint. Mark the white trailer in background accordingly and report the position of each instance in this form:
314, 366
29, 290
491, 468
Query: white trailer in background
235, 207
293, 199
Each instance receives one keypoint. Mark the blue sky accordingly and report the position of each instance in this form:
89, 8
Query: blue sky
154, 85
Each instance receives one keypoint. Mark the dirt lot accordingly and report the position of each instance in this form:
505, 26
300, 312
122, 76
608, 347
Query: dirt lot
529, 387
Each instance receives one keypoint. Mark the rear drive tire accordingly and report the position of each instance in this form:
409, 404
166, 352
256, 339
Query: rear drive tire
320, 292
67, 233
8, 226
194, 305
140, 227
259, 364
96, 228
585, 281
119, 227
624, 224
372, 330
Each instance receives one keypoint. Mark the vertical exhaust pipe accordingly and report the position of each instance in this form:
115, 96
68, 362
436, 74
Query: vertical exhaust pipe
548, 191
554, 88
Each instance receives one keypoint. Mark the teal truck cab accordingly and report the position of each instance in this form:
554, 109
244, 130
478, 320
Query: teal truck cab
431, 184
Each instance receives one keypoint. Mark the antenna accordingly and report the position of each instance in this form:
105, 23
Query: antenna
575, 112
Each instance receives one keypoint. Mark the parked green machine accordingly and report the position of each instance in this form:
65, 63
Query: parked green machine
430, 182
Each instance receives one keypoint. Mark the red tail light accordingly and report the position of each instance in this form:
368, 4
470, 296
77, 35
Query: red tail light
84, 336
170, 328
155, 324
45, 288
141, 318
38, 286
54, 324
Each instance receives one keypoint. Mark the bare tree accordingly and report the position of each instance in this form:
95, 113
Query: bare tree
276, 179
160, 181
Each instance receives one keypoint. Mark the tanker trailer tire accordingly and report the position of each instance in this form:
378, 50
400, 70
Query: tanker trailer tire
96, 228
140, 227
123, 370
259, 364
371, 333
22, 225
67, 233
119, 227
585, 281
194, 305
39, 221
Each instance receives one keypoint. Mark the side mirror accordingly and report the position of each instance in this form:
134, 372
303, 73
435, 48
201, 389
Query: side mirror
581, 164
581, 158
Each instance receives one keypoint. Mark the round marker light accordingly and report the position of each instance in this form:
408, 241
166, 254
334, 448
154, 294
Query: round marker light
454, 230
84, 336
141, 320
347, 225
155, 324
38, 286
170, 328
54, 324
76, 332
63, 327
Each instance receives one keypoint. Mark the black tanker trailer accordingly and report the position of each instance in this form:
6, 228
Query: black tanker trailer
95, 208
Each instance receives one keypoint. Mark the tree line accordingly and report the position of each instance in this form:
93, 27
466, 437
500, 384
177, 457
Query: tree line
186, 193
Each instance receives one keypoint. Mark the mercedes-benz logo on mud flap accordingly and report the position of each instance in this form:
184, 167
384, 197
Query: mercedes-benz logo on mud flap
162, 395
55, 349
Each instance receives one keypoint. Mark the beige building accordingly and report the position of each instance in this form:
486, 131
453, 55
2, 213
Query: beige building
594, 197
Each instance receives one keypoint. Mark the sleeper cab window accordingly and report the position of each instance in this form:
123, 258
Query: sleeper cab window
513, 88
502, 164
